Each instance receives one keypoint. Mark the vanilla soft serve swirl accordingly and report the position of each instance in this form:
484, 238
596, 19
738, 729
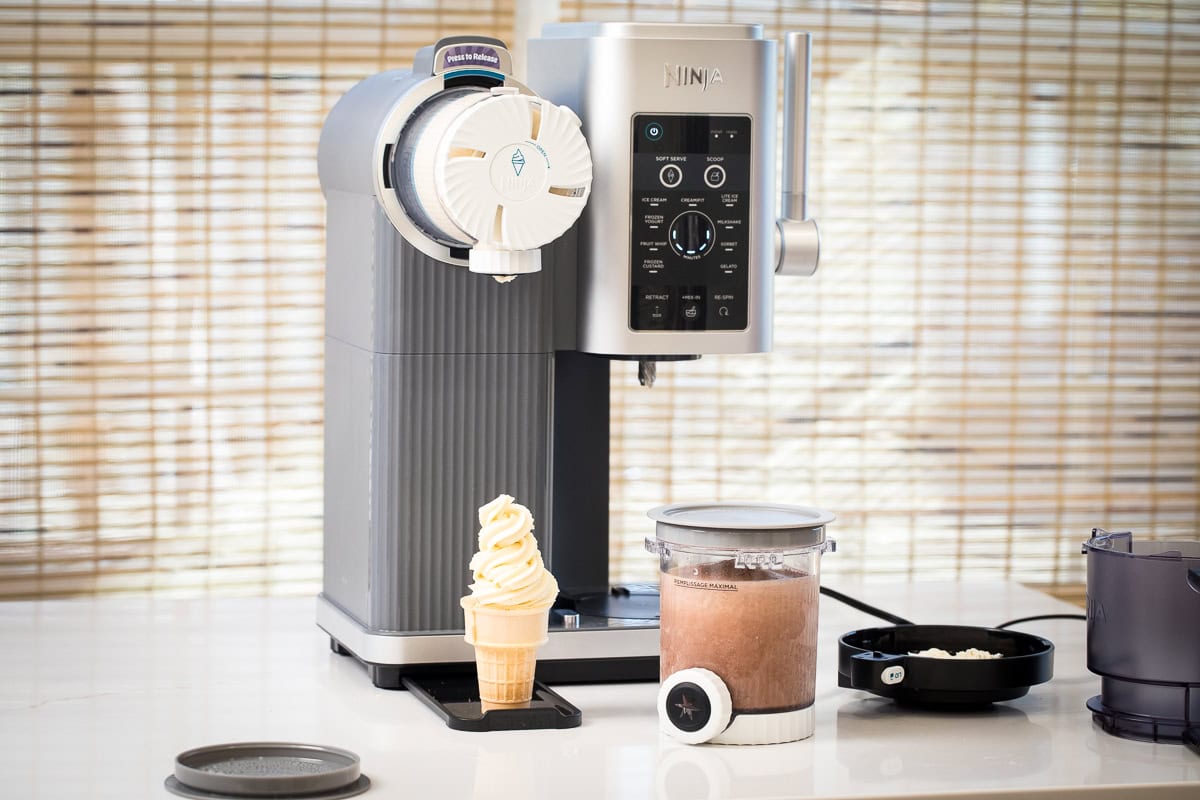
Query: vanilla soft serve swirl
508, 569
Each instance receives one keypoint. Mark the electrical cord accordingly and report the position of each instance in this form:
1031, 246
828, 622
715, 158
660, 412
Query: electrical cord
864, 607
867, 608
1040, 616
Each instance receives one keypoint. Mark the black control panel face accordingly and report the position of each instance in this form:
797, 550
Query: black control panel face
690, 251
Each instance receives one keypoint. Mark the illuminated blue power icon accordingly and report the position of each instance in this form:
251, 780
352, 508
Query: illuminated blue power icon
654, 131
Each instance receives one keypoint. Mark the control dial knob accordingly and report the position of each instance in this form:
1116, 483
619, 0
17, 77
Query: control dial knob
692, 234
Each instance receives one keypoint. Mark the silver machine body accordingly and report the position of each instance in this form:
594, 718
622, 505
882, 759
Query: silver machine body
445, 388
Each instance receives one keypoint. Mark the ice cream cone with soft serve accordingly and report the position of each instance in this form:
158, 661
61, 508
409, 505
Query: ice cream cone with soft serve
507, 611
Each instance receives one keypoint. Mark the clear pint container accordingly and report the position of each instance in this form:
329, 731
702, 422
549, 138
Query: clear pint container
739, 590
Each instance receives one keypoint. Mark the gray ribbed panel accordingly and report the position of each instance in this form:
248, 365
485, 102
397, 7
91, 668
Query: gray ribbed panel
348, 384
429, 307
438, 398
450, 433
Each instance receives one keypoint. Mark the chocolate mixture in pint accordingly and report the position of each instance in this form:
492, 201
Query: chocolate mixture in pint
755, 628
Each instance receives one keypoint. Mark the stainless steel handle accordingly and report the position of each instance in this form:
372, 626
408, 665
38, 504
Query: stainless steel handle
797, 61
798, 241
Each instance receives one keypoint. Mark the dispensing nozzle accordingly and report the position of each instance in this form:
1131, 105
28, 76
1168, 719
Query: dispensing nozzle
647, 372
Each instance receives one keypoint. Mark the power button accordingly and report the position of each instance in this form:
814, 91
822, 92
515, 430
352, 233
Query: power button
654, 131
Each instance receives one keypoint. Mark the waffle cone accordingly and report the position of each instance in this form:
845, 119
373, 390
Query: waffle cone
506, 642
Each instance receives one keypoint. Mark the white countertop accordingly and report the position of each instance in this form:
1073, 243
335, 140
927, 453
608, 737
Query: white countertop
97, 697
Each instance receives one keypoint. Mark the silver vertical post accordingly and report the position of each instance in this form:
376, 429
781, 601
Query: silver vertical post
797, 240
797, 63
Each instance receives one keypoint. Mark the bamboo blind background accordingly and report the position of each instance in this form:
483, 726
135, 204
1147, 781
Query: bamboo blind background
163, 257
1001, 351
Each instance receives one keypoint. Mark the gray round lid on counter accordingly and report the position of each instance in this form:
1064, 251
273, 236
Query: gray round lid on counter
741, 525
267, 769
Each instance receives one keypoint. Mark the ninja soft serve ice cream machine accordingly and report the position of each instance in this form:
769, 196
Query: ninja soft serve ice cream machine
630, 187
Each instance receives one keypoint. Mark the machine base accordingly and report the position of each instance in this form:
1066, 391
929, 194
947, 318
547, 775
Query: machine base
582, 670
605, 652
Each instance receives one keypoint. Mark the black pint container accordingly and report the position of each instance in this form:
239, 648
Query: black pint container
1143, 635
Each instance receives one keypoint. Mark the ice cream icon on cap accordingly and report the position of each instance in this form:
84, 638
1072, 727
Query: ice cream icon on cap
518, 161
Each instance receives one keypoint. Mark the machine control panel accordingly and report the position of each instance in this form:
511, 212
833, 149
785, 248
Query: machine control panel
690, 231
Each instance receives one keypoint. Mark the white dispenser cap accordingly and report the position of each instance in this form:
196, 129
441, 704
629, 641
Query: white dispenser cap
513, 173
504, 262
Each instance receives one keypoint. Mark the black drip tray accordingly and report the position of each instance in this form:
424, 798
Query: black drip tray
456, 700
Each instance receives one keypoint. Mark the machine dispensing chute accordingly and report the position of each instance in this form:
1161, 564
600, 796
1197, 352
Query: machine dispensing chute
470, 166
